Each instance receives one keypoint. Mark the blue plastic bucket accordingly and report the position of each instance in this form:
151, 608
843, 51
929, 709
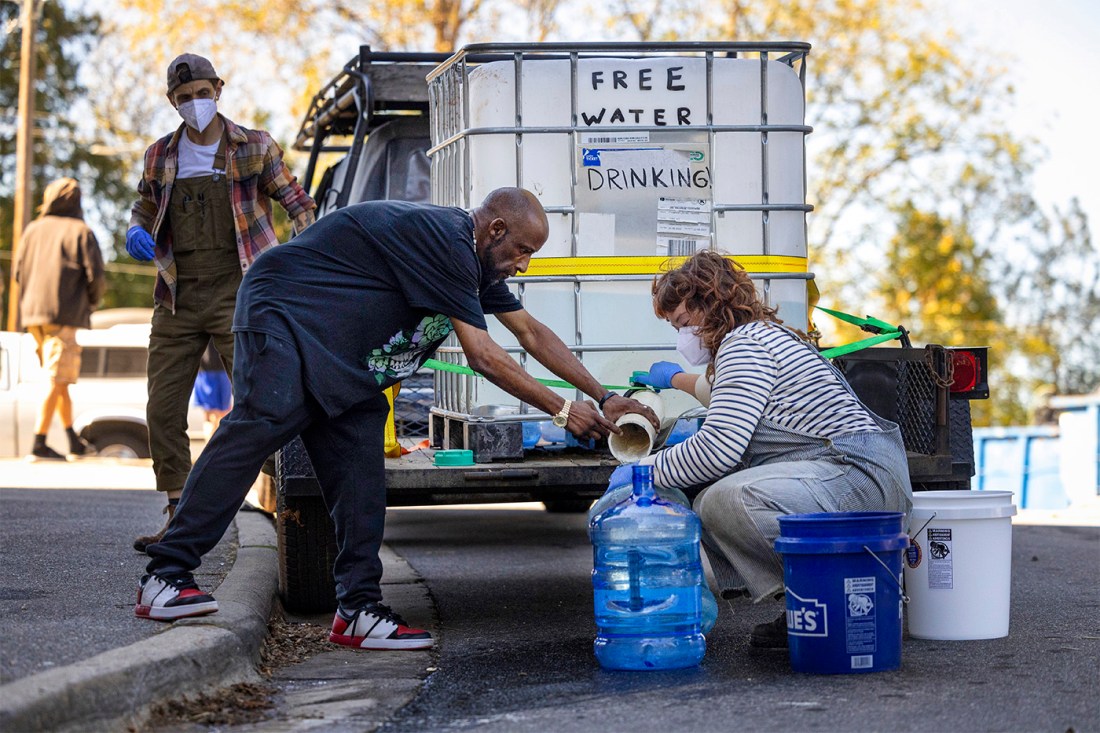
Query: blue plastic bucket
843, 586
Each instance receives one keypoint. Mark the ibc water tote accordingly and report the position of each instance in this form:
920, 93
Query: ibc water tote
647, 579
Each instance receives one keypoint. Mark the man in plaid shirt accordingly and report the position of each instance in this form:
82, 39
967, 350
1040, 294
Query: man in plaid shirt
203, 215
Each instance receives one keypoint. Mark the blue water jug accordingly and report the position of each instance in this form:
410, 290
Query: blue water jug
619, 494
647, 580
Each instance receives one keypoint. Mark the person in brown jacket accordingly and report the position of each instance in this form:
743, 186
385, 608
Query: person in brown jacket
59, 269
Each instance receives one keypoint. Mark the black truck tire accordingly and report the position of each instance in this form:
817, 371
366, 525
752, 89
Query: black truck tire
307, 550
120, 442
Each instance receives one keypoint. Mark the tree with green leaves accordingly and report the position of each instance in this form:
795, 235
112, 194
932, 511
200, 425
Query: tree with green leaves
63, 139
913, 171
936, 281
1051, 278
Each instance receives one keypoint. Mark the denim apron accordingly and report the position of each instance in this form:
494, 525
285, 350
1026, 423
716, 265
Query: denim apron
785, 471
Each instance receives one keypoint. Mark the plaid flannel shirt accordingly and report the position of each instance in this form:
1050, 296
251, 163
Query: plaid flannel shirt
254, 166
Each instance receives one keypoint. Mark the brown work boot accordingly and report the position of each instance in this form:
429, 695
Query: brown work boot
151, 539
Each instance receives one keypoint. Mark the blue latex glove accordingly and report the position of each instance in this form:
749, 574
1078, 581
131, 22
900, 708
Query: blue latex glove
621, 476
139, 244
660, 375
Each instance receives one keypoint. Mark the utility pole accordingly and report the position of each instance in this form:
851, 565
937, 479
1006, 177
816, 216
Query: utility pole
24, 150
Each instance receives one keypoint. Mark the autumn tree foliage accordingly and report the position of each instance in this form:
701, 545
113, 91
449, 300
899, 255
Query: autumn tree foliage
924, 206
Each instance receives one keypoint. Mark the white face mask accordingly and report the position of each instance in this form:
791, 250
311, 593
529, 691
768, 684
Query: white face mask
691, 346
198, 113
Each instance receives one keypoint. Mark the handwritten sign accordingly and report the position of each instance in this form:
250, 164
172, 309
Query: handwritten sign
668, 92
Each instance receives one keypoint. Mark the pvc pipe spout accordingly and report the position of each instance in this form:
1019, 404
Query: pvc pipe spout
639, 437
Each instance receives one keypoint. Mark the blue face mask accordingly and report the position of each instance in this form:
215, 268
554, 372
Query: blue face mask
691, 347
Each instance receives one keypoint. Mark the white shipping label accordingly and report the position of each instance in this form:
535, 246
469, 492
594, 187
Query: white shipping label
614, 170
679, 246
683, 216
683, 226
941, 572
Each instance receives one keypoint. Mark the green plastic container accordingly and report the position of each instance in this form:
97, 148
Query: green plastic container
454, 458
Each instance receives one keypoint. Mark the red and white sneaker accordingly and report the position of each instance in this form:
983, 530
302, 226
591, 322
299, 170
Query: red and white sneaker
376, 626
167, 598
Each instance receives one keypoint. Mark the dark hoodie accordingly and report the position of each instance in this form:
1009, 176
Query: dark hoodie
59, 267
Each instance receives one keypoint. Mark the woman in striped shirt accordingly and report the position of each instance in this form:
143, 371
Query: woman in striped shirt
784, 432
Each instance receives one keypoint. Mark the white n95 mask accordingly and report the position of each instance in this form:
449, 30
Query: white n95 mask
197, 113
691, 346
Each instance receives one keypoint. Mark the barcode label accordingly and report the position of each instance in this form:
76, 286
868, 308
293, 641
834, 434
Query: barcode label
682, 247
863, 661
621, 138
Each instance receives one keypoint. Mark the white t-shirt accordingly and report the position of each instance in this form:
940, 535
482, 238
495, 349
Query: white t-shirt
196, 160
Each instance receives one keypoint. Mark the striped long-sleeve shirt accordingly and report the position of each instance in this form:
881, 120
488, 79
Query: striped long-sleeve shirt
761, 372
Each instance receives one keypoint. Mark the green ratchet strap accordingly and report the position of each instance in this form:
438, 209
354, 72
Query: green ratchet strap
883, 332
442, 366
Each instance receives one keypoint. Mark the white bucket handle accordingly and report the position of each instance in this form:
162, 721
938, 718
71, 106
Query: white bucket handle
911, 535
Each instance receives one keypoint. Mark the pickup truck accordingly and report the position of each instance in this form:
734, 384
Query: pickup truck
108, 399
639, 152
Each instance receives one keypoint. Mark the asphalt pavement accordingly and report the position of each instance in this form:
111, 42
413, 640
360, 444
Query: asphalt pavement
1053, 647
102, 669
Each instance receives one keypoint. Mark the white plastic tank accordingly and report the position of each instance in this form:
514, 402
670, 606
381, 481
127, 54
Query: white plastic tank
650, 170
610, 93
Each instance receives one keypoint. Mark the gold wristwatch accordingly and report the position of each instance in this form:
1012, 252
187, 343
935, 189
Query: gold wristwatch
563, 417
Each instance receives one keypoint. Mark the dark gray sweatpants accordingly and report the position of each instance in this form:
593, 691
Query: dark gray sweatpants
271, 407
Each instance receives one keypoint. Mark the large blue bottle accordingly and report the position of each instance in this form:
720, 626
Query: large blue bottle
646, 581
621, 493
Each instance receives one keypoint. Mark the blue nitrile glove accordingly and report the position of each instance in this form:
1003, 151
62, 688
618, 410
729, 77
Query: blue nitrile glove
660, 375
621, 476
139, 244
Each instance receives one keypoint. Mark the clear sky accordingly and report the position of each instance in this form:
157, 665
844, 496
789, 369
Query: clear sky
1056, 44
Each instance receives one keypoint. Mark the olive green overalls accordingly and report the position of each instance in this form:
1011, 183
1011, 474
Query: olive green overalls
208, 271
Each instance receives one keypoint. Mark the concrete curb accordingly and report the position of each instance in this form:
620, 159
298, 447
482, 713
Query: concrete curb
114, 689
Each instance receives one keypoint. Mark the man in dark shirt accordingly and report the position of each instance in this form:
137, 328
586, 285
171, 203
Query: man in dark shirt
323, 325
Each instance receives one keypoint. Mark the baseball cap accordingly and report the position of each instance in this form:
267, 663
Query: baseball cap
187, 67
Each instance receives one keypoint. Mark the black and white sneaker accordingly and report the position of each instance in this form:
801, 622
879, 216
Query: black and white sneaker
376, 626
167, 598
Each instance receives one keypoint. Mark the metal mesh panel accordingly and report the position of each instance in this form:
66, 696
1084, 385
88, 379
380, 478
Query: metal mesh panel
410, 409
898, 385
917, 406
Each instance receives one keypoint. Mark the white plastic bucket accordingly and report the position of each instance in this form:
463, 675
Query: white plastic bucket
958, 567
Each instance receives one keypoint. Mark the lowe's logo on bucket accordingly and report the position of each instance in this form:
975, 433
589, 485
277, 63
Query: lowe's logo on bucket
806, 616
